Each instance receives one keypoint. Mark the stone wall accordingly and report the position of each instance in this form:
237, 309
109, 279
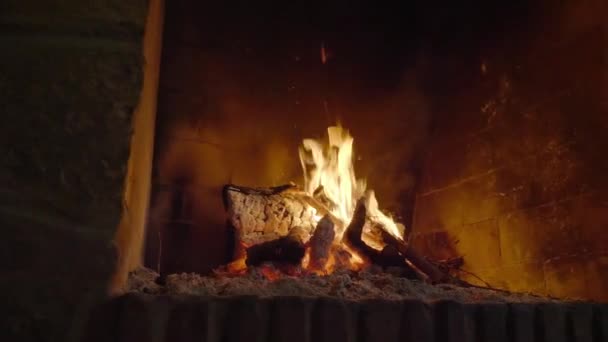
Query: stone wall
70, 79
515, 175
137, 317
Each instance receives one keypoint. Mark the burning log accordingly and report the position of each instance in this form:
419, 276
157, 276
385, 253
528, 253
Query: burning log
276, 222
395, 253
265, 214
388, 257
289, 249
320, 243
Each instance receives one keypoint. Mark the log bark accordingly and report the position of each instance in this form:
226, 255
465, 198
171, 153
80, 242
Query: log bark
264, 214
286, 250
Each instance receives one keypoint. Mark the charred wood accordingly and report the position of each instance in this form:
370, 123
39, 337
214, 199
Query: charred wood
434, 274
286, 250
388, 257
320, 243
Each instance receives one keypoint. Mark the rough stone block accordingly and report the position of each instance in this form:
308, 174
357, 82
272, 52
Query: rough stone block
480, 155
590, 212
439, 210
188, 320
143, 318
110, 18
252, 315
596, 273
492, 322
521, 322
443, 165
379, 320
103, 322
53, 251
333, 320
479, 244
580, 322
600, 322
437, 245
566, 277
217, 311
551, 322
519, 277
418, 322
455, 322
291, 319
540, 233
518, 238
67, 147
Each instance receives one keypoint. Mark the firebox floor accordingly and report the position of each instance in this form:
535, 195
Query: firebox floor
362, 285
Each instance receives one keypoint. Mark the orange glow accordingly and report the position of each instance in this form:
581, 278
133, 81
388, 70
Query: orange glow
329, 177
237, 267
270, 272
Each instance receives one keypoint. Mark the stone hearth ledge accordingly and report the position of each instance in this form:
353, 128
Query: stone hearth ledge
145, 317
195, 308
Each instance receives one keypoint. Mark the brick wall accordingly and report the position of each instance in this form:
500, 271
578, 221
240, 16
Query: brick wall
514, 178
70, 79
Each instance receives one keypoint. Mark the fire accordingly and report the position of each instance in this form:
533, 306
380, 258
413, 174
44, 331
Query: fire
329, 175
331, 186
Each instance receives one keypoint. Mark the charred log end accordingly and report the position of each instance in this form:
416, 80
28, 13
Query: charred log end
286, 250
352, 235
320, 243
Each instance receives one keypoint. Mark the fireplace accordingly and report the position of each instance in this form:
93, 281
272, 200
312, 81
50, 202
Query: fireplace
217, 193
486, 157
470, 139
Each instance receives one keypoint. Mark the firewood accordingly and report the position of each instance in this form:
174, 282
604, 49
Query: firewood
265, 214
320, 243
435, 274
388, 257
289, 249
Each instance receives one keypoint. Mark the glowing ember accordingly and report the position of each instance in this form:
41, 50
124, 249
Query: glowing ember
270, 273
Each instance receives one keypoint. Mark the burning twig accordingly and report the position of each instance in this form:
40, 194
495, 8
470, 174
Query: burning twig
389, 256
352, 235
435, 274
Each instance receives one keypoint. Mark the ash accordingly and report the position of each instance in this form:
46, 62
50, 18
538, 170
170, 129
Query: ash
347, 285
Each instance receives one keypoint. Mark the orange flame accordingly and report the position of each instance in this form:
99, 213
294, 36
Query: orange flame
328, 168
329, 175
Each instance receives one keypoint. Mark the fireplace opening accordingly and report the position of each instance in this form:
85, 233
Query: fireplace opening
479, 134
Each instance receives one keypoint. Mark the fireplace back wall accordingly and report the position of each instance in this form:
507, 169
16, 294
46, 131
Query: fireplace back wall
515, 172
241, 87
487, 124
